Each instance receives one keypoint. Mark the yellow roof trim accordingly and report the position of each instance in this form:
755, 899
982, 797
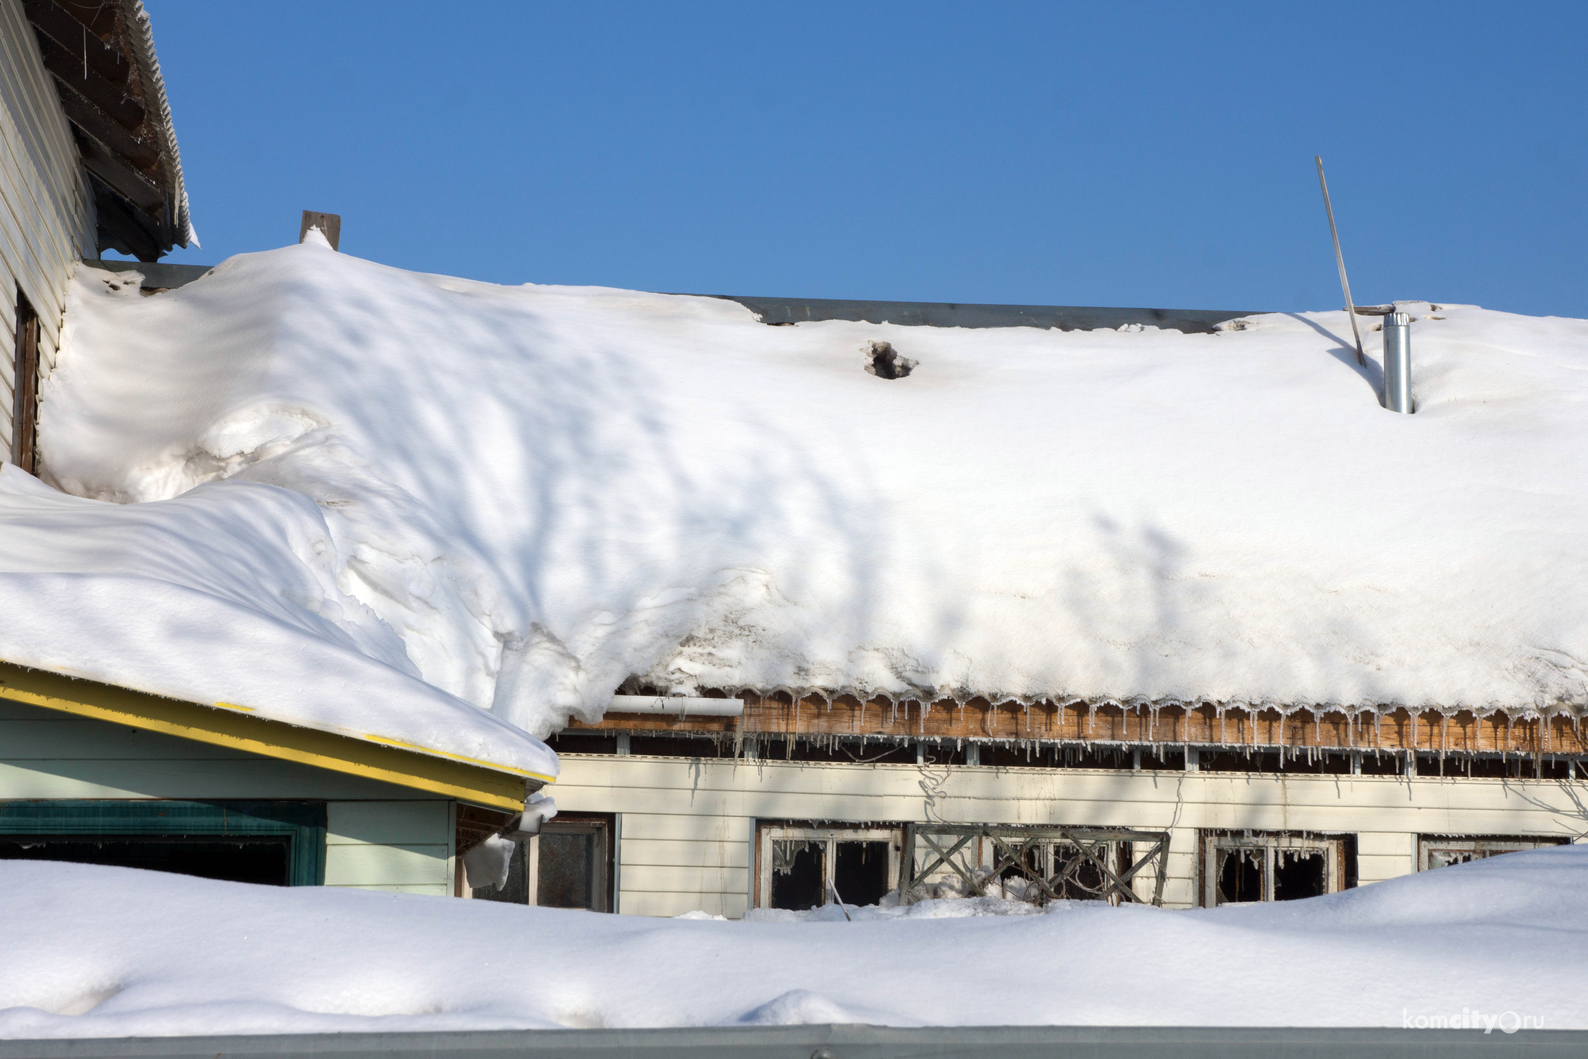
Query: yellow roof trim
387, 741
373, 757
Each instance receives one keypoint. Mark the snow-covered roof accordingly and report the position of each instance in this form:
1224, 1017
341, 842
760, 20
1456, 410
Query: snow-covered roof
524, 496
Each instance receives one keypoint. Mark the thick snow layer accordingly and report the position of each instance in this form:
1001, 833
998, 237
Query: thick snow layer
226, 594
94, 951
541, 491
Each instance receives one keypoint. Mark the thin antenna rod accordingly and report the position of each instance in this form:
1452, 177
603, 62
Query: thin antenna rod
1339, 259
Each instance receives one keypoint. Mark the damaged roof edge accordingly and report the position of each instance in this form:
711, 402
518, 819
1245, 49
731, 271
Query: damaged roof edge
777, 311
142, 39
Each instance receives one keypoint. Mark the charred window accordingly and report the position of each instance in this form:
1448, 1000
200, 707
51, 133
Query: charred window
1242, 867
799, 871
1440, 851
803, 867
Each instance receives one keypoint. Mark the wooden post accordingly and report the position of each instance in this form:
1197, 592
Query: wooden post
25, 387
330, 225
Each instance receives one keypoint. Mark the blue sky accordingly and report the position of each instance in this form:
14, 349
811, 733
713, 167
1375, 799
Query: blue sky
1082, 154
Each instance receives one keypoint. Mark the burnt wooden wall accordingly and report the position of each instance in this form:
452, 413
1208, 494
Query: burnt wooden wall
1397, 729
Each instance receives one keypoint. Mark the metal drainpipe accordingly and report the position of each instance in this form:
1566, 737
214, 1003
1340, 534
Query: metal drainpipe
1398, 363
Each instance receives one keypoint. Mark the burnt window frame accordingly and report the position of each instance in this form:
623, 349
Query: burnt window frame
769, 831
1339, 859
1487, 845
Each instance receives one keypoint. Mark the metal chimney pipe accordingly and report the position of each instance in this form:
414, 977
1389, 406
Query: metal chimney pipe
1398, 363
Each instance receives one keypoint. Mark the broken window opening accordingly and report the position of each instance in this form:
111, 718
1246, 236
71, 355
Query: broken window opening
1242, 876
861, 872
1251, 866
801, 867
1441, 851
1300, 873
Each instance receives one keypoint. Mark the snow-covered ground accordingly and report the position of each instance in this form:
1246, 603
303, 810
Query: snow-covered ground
517, 497
94, 951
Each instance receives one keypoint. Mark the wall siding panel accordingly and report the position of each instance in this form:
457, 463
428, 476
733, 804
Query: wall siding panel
687, 823
46, 212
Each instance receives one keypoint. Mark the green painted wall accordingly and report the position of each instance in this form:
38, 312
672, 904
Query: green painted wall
378, 836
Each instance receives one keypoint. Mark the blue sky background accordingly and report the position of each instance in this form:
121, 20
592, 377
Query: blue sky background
1142, 155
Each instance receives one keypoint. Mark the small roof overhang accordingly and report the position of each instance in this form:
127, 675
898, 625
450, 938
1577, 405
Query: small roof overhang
100, 55
473, 782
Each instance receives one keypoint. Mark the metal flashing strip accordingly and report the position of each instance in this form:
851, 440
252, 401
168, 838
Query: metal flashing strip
839, 1042
954, 314
476, 783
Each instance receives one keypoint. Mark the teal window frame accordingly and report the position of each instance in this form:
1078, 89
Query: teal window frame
303, 824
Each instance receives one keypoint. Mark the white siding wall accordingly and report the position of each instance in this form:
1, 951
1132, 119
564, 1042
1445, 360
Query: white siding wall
46, 211
378, 836
687, 823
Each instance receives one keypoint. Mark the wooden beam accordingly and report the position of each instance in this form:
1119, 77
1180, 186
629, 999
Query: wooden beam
120, 227
137, 154
50, 20
112, 99
1330, 728
98, 16
119, 176
475, 782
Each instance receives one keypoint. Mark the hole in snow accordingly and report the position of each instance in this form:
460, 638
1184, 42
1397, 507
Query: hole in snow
883, 361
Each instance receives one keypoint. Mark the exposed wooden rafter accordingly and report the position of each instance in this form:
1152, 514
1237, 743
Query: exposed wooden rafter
1324, 728
100, 57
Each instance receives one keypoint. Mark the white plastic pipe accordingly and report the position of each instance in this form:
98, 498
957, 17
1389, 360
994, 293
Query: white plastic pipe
677, 705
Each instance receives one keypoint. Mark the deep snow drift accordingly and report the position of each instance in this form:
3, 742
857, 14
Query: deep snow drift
525, 495
95, 951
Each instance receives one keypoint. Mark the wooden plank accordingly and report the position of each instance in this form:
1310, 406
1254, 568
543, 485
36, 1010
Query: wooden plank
114, 101
1047, 722
120, 176
127, 146
48, 18
330, 225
